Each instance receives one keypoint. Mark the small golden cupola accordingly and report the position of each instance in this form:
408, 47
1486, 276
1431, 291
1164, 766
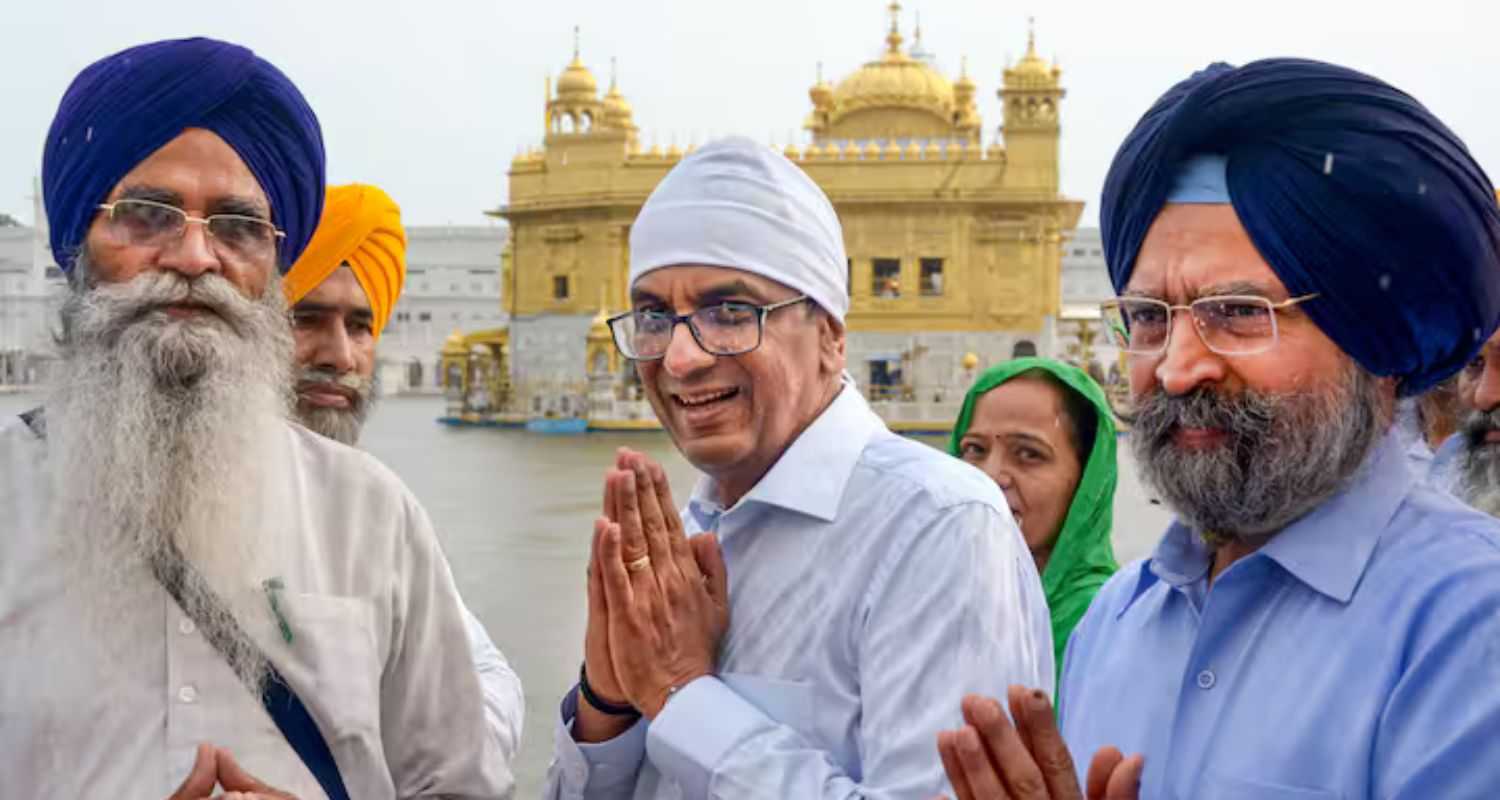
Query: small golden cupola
576, 107
617, 110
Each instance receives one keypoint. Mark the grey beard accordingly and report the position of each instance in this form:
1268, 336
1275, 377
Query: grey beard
1284, 456
1479, 485
161, 432
339, 424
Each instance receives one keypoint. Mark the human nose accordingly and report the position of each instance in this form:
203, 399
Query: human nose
191, 253
335, 350
1187, 362
684, 356
1487, 390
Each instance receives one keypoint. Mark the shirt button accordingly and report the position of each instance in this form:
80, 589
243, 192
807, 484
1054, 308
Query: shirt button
1206, 679
186, 627
187, 694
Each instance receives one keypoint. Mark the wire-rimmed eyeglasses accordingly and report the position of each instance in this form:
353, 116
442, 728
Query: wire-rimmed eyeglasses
1230, 324
147, 223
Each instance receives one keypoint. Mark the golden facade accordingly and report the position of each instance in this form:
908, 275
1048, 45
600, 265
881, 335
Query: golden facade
945, 234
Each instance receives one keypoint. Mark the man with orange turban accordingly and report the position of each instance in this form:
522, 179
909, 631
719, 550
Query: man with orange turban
341, 292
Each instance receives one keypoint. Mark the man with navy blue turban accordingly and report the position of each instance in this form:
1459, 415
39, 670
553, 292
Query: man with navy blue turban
1295, 245
192, 589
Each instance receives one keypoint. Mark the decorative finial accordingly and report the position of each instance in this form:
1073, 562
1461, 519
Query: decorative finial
1031, 36
963, 66
917, 34
612, 73
575, 42
893, 39
820, 72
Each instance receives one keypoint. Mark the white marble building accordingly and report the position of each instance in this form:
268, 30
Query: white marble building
452, 282
30, 288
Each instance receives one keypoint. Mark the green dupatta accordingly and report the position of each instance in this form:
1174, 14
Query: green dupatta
1083, 557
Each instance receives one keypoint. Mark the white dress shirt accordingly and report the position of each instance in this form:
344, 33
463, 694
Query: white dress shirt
504, 700
378, 653
873, 582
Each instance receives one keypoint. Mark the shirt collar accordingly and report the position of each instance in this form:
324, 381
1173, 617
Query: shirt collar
1327, 549
811, 474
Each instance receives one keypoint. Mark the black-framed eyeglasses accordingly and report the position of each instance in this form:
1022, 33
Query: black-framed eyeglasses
1228, 324
724, 329
147, 223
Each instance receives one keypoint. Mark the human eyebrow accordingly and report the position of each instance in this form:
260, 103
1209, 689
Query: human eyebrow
1250, 288
736, 290
641, 299
242, 206
154, 194
314, 308
1032, 439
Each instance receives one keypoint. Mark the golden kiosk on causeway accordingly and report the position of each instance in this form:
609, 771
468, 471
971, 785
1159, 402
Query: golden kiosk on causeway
954, 243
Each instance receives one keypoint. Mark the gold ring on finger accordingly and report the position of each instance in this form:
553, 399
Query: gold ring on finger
644, 562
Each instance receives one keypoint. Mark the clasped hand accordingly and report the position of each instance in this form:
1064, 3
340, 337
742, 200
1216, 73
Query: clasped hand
658, 601
215, 767
990, 758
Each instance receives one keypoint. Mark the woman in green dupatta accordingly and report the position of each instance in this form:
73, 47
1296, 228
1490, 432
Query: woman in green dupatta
1048, 439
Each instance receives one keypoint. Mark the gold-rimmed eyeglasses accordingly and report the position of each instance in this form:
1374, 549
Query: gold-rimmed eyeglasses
147, 223
1228, 324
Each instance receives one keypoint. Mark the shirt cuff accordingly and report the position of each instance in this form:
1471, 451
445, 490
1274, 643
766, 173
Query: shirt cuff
702, 722
599, 766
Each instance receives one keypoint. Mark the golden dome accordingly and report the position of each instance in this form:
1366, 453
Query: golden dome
577, 82
970, 361
895, 80
456, 337
821, 93
599, 328
1031, 65
963, 87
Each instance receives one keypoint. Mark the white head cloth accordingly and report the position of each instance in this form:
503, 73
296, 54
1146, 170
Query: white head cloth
735, 203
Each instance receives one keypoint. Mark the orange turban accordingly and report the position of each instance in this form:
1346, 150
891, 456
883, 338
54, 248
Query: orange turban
361, 227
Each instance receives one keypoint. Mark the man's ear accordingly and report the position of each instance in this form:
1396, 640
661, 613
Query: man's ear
832, 344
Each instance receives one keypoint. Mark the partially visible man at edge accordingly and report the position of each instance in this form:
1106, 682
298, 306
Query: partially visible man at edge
342, 290
865, 581
180, 565
1296, 245
1468, 462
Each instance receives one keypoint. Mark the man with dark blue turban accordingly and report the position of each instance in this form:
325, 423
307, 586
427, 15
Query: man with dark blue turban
1295, 245
192, 589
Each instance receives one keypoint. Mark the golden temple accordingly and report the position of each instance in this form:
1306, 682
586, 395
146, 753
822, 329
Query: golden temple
954, 242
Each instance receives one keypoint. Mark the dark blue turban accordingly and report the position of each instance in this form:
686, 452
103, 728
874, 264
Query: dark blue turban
1349, 188
123, 108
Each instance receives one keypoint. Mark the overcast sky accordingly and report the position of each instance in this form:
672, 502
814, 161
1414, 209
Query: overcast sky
431, 99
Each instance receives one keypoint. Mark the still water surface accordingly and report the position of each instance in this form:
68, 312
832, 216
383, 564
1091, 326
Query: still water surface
514, 511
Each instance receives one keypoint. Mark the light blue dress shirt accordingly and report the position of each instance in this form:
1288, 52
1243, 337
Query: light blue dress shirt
1446, 471
1356, 655
873, 581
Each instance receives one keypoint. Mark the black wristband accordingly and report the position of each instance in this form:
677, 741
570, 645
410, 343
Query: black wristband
612, 709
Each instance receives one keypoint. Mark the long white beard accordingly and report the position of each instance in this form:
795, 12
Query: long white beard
163, 435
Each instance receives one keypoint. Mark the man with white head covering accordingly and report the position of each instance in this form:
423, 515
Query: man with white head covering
809, 622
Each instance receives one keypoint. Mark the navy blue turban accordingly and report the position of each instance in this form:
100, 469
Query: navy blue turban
1348, 188
123, 108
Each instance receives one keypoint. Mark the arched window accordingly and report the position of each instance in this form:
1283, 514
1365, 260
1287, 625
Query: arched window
1023, 348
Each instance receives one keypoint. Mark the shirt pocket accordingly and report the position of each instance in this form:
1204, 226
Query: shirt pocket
334, 664
790, 703
1223, 787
